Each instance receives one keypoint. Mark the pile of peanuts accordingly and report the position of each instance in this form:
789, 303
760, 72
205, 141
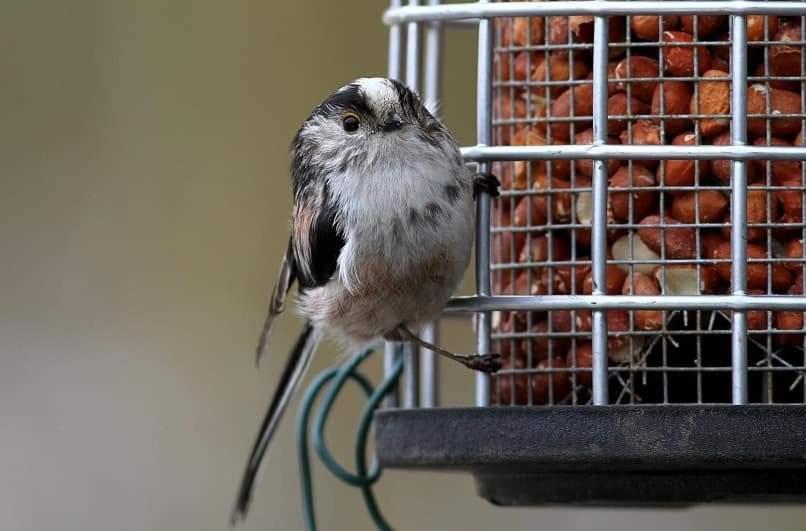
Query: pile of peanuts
668, 83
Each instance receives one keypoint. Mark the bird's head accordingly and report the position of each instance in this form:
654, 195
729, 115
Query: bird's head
364, 123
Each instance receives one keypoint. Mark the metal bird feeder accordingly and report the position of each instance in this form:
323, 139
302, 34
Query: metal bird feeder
642, 270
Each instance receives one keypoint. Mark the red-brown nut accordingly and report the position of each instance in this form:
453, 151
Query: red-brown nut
646, 27
550, 386
757, 207
528, 31
513, 389
615, 280
781, 102
529, 212
713, 99
720, 64
642, 133
584, 361
537, 249
582, 109
712, 206
558, 30
618, 321
785, 84
620, 105
505, 248
676, 97
526, 63
584, 167
710, 240
679, 58
530, 136
582, 31
756, 271
789, 320
542, 345
791, 200
506, 109
682, 172
761, 208
635, 67
677, 242
782, 170
787, 226
785, 58
756, 24
558, 68
552, 202
706, 25
756, 319
568, 279
793, 250
641, 284
642, 201
722, 168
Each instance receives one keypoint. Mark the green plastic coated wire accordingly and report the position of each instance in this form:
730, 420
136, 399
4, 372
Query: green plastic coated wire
362, 478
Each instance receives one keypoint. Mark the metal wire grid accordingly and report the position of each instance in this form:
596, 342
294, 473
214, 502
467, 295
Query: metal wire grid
570, 379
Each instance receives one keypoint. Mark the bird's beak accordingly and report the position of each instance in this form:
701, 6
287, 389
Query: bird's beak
393, 122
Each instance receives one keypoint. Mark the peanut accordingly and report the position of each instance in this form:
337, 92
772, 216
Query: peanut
641, 284
713, 99
781, 102
679, 60
620, 105
642, 201
678, 242
712, 206
634, 67
676, 100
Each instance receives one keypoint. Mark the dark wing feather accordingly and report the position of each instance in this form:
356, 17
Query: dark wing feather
318, 240
285, 280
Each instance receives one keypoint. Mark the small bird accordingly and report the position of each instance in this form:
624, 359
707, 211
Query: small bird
382, 229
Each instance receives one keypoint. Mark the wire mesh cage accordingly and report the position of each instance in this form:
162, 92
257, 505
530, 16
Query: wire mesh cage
668, 221
645, 254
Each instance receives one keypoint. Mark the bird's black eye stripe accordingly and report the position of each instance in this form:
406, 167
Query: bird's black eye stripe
350, 122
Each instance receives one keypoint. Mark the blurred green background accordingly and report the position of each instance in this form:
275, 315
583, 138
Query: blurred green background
145, 203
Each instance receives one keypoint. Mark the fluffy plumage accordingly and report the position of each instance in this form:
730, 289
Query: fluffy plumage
381, 232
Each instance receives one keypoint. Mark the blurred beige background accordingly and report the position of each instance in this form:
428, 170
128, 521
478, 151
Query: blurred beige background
144, 200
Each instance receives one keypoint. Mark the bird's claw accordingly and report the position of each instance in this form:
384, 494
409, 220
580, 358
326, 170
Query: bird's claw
486, 183
489, 363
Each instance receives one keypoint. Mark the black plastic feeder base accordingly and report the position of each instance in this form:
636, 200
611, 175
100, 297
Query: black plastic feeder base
613, 455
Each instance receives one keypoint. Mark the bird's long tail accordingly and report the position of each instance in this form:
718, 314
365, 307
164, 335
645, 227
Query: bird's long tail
298, 361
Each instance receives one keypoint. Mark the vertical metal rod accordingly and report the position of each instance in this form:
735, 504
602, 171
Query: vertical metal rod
411, 376
413, 53
433, 64
429, 369
429, 361
484, 138
599, 228
738, 236
411, 371
394, 71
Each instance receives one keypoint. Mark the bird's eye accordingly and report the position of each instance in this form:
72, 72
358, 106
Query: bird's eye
350, 122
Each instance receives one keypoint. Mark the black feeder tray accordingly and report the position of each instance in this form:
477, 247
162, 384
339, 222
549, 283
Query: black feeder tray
607, 455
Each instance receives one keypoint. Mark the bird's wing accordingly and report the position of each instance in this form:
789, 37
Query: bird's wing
318, 238
311, 258
285, 281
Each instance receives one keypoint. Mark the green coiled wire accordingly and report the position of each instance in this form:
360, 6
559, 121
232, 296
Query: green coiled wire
363, 478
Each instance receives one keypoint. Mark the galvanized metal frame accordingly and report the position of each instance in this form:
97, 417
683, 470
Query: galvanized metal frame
483, 303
